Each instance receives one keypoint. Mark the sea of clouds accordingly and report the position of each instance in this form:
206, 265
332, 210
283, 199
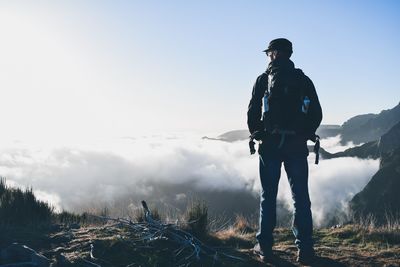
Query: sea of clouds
171, 169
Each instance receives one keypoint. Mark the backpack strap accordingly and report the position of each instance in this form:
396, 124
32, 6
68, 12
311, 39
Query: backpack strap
301, 78
267, 87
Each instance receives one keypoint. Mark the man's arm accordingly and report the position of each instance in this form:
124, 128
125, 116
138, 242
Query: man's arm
254, 112
315, 110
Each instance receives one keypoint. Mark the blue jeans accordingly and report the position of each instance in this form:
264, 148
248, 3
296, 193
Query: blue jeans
296, 167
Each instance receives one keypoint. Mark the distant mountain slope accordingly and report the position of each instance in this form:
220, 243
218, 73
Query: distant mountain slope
328, 130
324, 131
381, 196
369, 127
231, 136
368, 150
386, 143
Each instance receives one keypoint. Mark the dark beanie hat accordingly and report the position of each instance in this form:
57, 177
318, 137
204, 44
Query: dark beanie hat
280, 44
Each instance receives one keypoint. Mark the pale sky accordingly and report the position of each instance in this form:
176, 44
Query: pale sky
118, 68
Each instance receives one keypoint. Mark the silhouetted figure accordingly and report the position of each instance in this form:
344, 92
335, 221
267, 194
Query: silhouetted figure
284, 112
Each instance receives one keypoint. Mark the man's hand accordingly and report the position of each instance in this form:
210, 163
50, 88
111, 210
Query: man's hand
252, 146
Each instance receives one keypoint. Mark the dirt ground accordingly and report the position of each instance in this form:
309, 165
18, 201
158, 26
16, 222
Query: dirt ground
112, 245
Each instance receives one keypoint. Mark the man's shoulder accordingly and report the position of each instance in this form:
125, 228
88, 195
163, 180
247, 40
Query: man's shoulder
300, 72
263, 77
302, 75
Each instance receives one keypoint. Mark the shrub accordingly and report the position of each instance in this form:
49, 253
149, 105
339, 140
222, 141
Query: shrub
20, 207
197, 218
140, 217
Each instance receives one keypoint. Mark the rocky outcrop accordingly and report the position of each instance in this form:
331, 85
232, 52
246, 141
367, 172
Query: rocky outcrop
21, 255
390, 140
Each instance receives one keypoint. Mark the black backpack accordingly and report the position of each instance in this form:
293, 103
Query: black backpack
286, 102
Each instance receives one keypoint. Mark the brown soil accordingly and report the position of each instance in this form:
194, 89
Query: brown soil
116, 246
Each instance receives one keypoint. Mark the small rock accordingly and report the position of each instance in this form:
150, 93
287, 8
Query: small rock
74, 226
22, 255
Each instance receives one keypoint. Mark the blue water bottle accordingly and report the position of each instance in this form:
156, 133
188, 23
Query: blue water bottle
306, 104
265, 103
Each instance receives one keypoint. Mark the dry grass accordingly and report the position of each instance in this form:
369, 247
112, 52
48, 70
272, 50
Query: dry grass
240, 234
378, 237
243, 226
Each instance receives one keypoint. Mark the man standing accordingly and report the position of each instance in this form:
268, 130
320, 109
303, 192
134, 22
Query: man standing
284, 112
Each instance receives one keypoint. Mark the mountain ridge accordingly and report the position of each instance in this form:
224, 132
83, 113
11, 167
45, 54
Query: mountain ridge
369, 127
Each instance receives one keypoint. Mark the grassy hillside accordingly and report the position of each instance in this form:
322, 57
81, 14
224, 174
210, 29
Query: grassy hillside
116, 245
86, 240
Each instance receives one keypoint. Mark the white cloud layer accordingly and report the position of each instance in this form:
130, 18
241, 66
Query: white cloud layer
76, 176
332, 144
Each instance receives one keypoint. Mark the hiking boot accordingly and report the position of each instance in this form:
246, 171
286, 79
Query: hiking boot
265, 253
306, 256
